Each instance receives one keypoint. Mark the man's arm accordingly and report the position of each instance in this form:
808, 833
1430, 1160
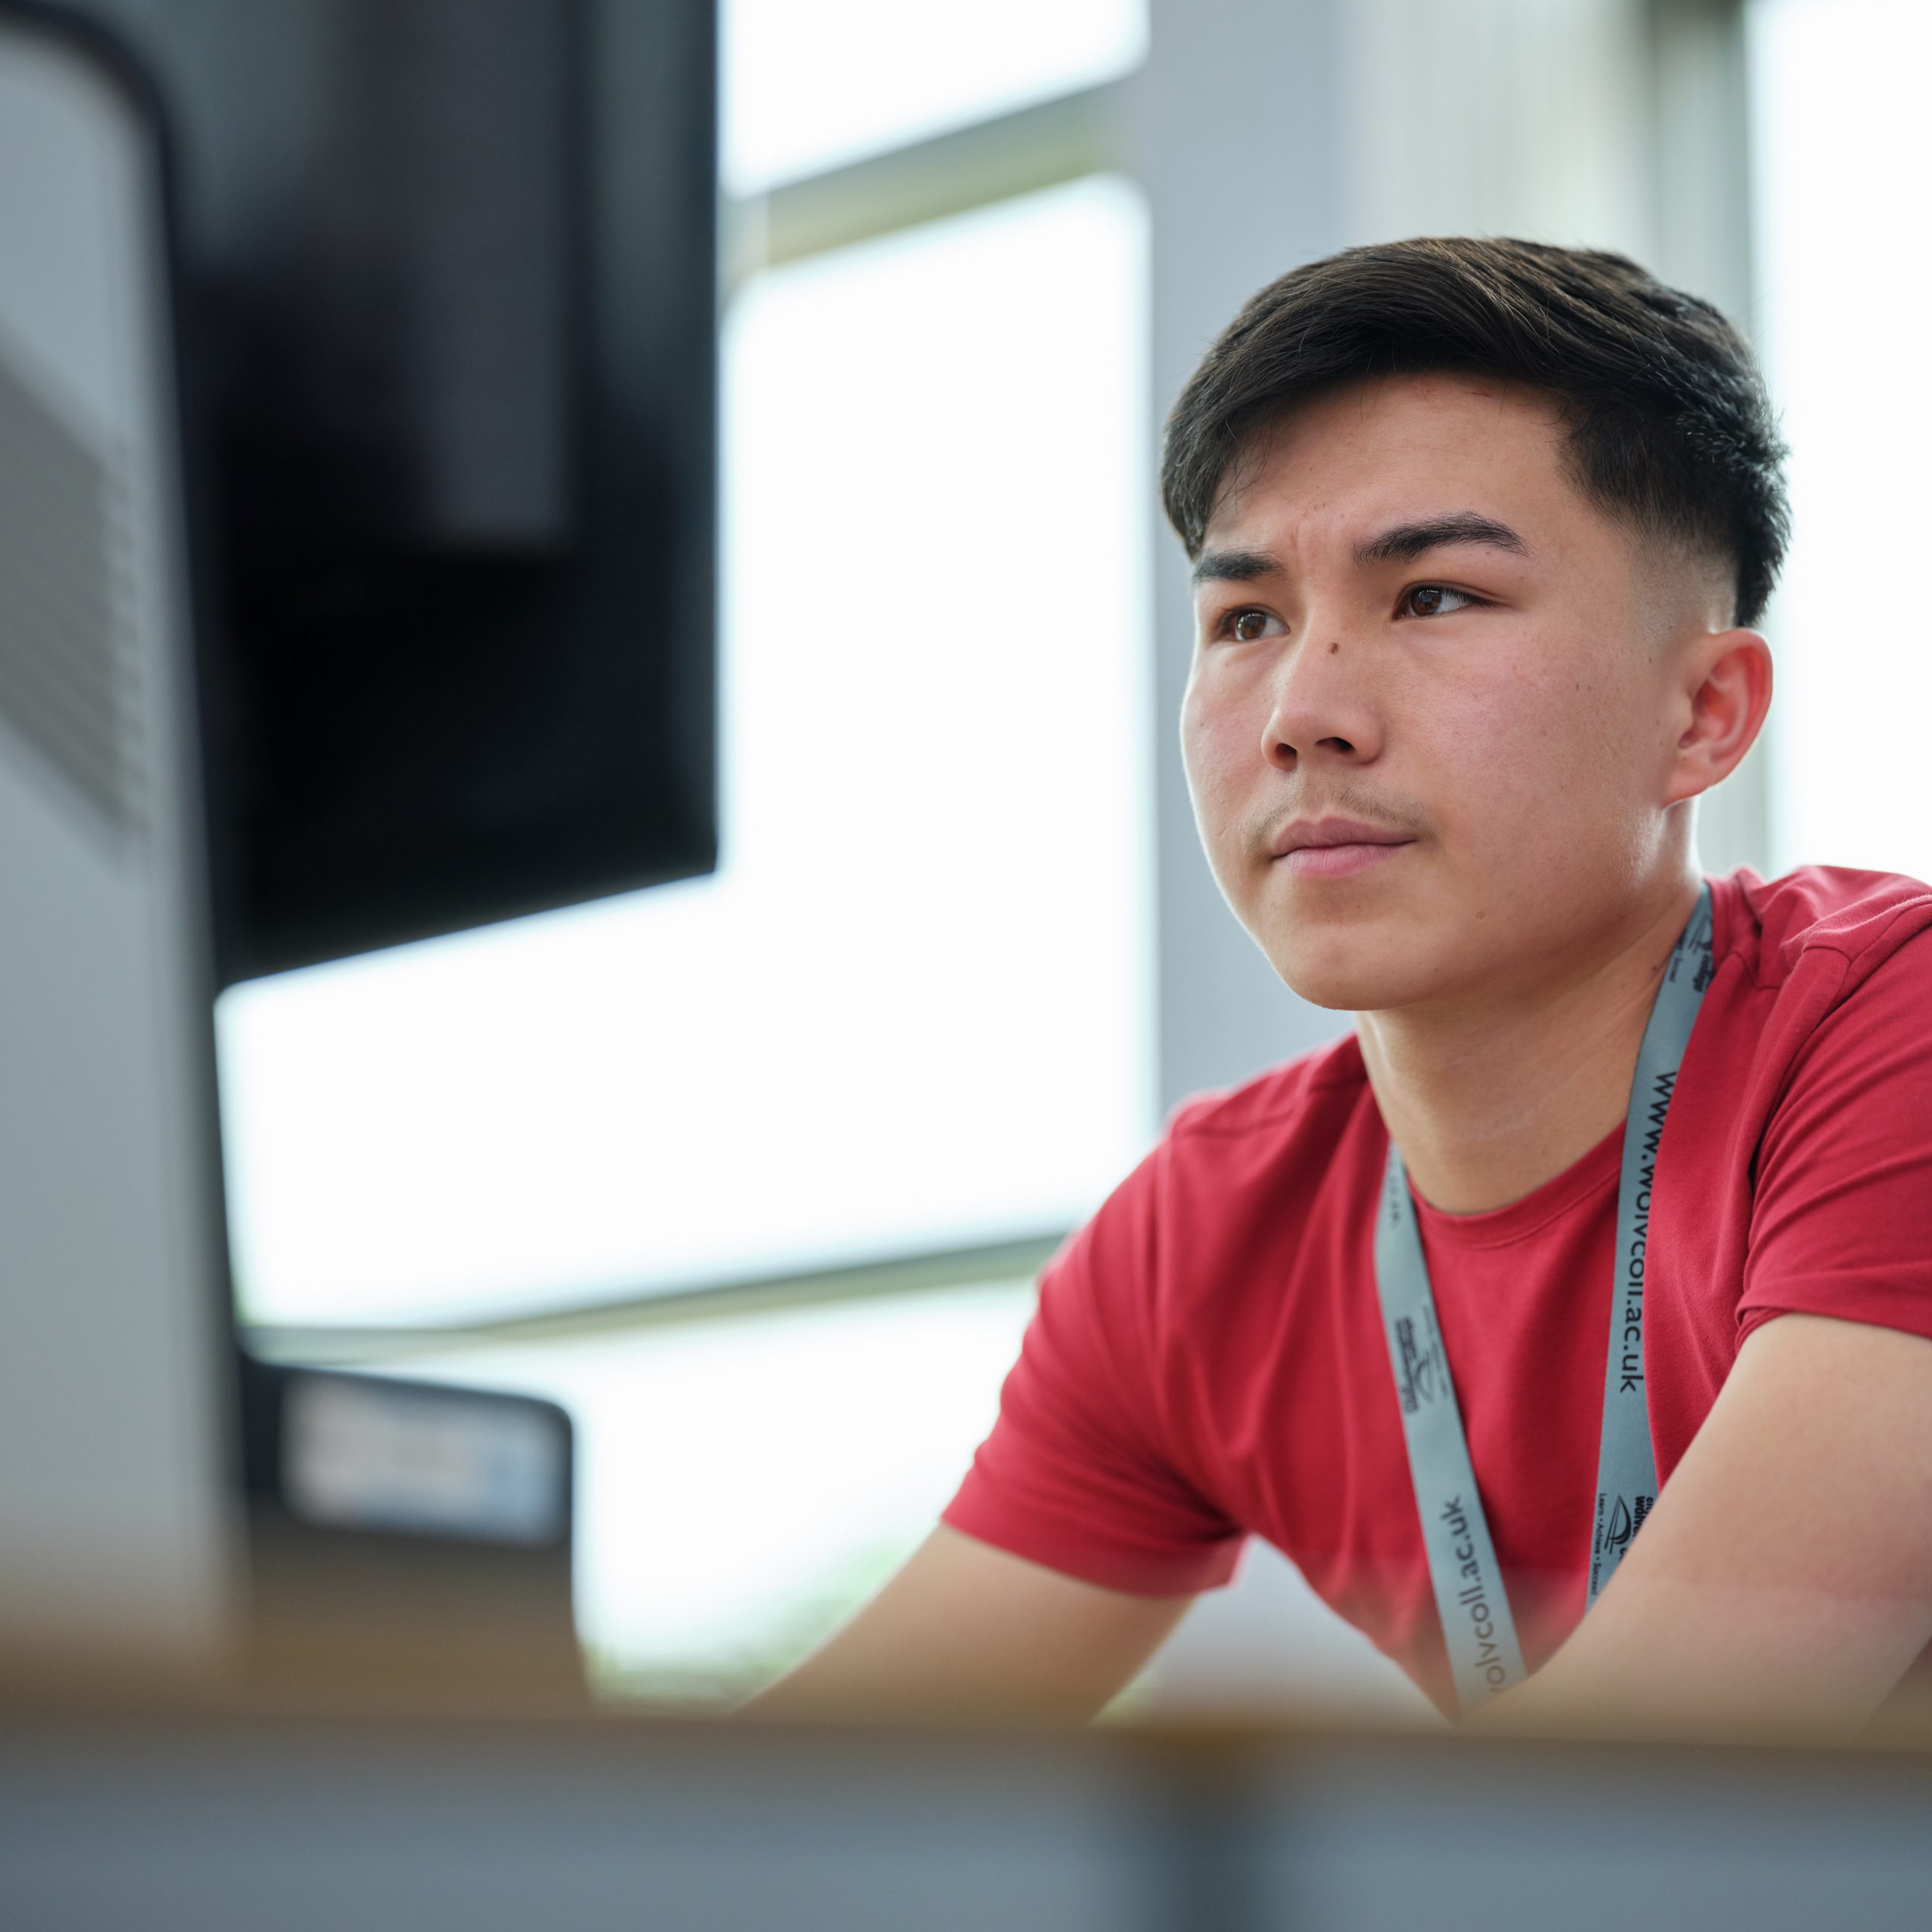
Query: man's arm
966, 1633
1785, 1577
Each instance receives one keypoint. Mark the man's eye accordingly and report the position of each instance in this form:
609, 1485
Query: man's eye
1434, 600
1247, 626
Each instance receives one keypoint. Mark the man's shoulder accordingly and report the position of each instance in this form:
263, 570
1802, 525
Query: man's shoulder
1276, 1103
1829, 917
1238, 1174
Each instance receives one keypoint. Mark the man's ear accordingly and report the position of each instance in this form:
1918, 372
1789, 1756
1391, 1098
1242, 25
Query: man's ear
1725, 693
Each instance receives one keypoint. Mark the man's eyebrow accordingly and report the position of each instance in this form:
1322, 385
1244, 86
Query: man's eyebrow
1235, 566
1405, 540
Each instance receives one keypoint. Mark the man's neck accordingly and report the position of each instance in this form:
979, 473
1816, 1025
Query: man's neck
1488, 1100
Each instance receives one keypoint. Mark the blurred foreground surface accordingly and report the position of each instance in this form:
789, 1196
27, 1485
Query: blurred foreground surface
165, 1819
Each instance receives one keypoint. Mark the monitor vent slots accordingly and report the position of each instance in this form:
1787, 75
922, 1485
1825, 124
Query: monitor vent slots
63, 659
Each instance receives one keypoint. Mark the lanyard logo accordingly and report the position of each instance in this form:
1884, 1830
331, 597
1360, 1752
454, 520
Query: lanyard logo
1624, 1520
1423, 1370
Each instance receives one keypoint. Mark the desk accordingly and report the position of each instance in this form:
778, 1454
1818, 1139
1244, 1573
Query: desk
172, 1820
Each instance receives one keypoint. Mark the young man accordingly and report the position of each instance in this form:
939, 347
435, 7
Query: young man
1479, 529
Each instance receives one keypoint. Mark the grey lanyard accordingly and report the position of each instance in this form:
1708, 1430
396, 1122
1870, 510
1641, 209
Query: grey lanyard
1477, 1623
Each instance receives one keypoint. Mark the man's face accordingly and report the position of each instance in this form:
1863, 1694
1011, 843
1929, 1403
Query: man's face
1428, 724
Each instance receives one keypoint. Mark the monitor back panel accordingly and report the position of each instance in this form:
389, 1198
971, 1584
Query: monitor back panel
114, 1363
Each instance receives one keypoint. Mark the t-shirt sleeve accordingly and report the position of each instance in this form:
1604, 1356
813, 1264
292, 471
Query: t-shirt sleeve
1842, 1218
1076, 1475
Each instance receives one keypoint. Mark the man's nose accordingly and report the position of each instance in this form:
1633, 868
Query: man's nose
1324, 707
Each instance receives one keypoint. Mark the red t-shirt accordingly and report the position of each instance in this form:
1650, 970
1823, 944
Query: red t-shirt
1207, 1360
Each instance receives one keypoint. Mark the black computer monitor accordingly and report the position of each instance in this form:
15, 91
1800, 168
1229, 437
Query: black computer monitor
448, 309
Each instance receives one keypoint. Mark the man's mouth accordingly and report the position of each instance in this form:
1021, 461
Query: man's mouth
1335, 848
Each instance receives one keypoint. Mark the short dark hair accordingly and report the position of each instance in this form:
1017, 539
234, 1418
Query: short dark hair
1670, 428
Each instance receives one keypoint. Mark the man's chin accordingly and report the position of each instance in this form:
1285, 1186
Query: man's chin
1338, 995
1351, 977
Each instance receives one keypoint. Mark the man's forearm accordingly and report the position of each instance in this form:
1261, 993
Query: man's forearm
1784, 1581
967, 1633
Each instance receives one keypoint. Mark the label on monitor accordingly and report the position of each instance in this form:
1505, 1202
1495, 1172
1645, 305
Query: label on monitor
360, 1453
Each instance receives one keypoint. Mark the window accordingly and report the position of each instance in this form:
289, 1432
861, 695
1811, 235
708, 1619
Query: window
808, 87
910, 1010
1843, 169
907, 1027
744, 1482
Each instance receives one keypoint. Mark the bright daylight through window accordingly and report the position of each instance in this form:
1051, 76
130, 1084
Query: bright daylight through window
744, 1482
1843, 168
910, 1011
813, 86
